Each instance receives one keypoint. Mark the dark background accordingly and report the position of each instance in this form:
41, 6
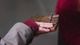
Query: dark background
12, 11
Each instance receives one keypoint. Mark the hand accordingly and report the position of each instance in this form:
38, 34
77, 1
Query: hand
41, 24
45, 27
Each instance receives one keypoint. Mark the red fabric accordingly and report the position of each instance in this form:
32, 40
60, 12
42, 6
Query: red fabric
31, 23
69, 21
65, 5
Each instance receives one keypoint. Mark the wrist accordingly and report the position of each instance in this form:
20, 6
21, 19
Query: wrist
31, 23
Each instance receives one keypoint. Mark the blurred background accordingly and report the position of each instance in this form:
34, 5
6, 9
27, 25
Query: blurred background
12, 11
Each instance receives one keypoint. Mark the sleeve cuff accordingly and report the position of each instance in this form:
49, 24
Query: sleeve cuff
31, 23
